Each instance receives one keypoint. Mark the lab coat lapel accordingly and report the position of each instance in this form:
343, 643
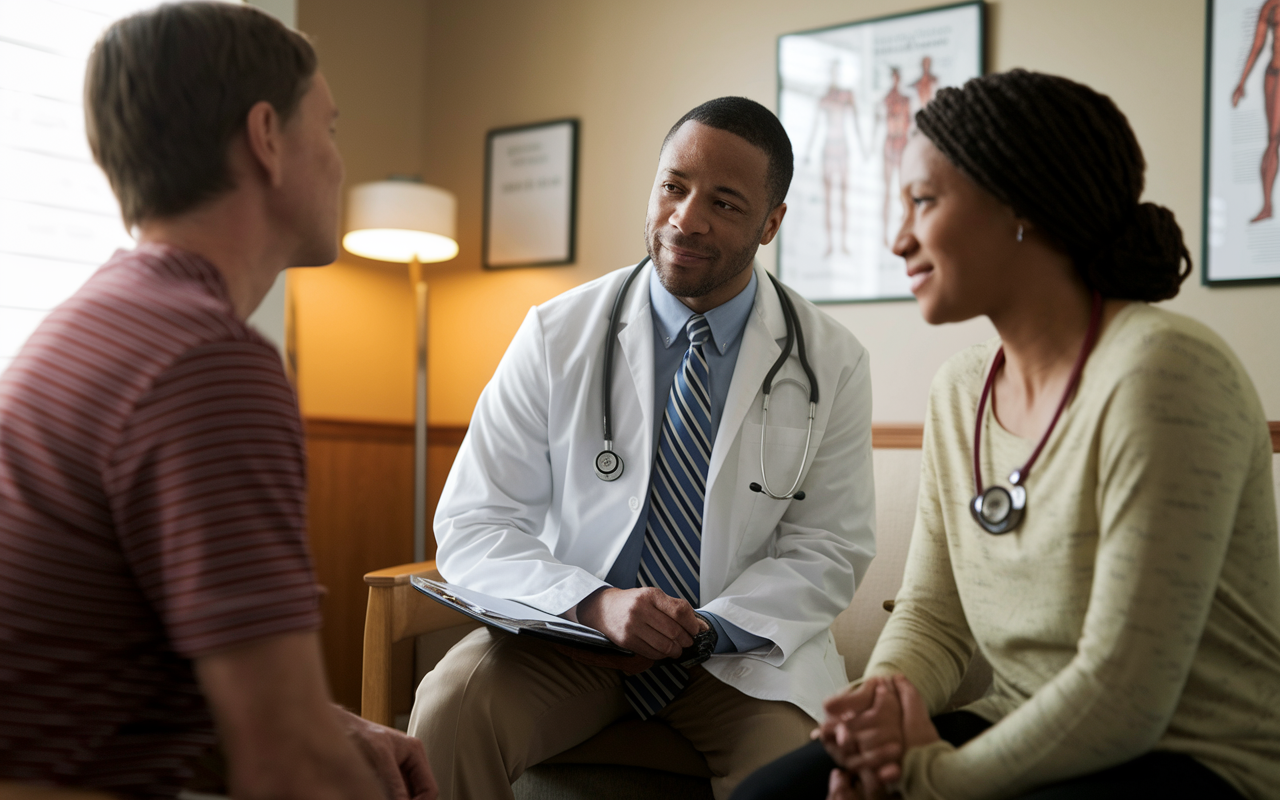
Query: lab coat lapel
765, 326
636, 343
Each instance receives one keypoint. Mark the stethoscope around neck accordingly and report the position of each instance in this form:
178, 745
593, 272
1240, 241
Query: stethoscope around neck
609, 465
999, 510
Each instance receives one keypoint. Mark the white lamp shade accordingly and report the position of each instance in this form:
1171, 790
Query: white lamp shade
396, 220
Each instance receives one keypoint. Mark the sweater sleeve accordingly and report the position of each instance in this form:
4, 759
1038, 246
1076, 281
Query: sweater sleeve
927, 637
1171, 455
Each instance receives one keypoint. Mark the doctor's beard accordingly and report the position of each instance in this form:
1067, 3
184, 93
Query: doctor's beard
684, 282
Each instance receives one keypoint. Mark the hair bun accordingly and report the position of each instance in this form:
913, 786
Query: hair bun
1147, 260
1065, 158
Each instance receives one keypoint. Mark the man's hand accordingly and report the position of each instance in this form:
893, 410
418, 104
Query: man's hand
282, 736
399, 759
649, 622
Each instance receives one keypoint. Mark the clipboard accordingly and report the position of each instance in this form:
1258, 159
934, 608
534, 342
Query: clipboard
516, 618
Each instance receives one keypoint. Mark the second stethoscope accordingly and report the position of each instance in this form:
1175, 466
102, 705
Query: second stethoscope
609, 464
997, 509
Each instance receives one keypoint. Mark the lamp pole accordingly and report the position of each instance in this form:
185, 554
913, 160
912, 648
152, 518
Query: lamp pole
404, 220
420, 415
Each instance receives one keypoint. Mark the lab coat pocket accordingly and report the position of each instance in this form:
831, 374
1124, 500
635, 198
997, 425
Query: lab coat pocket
783, 451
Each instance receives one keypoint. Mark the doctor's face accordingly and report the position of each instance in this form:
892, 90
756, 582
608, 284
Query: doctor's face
708, 213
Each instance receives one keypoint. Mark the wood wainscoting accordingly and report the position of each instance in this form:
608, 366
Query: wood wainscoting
361, 519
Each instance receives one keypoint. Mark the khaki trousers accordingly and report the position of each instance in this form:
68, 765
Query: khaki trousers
497, 704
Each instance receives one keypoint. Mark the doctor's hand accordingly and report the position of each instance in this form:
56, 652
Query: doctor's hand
648, 622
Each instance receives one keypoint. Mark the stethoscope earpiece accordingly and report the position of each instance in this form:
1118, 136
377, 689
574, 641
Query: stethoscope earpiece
755, 487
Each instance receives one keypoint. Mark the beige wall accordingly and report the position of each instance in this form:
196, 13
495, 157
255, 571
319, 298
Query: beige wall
629, 69
354, 320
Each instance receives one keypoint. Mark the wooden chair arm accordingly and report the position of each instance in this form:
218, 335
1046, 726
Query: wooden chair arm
394, 576
396, 611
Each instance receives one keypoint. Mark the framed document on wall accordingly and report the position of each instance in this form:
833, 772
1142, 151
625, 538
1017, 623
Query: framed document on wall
530, 194
847, 96
1241, 143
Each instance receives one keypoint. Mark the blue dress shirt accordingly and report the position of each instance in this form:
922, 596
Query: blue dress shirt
670, 342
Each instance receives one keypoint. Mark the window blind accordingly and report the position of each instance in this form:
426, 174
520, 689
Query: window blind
58, 219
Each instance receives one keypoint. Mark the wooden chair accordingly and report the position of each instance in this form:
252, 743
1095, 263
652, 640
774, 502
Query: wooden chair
616, 763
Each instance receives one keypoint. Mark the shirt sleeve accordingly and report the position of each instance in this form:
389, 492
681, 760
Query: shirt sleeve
1173, 454
208, 490
732, 639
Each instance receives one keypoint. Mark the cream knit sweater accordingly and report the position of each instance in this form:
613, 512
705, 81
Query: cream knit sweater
1138, 606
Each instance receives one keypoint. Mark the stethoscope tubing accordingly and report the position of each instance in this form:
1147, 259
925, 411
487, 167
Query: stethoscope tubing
795, 338
607, 398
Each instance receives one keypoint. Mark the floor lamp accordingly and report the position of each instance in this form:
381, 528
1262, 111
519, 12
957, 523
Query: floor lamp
405, 220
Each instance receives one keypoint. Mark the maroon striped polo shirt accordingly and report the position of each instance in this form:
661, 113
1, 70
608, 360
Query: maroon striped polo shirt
152, 510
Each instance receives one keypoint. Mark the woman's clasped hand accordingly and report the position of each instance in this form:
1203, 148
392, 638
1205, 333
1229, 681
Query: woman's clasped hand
868, 731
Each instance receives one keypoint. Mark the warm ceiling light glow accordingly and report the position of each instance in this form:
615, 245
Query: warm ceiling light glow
395, 220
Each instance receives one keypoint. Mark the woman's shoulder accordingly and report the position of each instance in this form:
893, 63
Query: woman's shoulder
1144, 338
1157, 363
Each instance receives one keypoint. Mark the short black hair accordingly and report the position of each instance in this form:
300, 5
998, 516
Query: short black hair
758, 125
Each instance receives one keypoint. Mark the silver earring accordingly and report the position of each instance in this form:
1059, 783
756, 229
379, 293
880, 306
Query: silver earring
1019, 233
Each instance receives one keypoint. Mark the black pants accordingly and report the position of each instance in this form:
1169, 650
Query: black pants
803, 774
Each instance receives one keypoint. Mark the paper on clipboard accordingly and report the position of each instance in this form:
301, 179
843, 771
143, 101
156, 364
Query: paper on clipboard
515, 617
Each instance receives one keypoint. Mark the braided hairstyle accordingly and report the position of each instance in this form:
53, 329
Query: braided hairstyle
1065, 159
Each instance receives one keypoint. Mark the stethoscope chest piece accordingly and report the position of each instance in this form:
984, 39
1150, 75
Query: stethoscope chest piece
999, 510
608, 465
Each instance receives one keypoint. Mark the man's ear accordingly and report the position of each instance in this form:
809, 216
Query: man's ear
772, 223
263, 138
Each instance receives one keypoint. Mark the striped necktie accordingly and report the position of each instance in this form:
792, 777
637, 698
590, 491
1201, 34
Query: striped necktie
672, 552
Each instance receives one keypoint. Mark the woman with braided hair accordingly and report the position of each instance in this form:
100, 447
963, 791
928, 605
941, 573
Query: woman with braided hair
1124, 580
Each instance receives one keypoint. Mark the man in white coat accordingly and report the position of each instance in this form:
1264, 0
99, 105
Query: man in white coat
683, 543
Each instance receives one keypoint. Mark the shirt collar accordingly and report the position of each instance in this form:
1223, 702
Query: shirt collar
726, 320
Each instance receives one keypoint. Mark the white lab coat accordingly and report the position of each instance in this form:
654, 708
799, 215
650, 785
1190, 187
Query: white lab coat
523, 515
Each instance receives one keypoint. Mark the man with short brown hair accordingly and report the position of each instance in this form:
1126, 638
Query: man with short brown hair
154, 570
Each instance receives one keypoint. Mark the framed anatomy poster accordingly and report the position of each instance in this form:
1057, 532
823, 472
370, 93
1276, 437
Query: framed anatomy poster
530, 194
1242, 143
847, 96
